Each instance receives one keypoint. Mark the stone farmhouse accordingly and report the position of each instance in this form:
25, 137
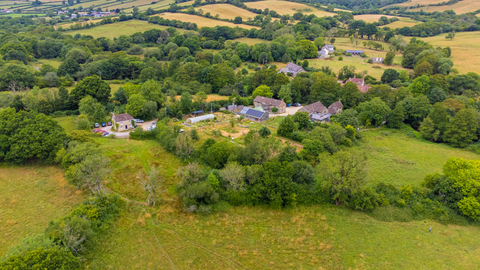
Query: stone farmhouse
292, 69
123, 120
318, 112
359, 82
268, 104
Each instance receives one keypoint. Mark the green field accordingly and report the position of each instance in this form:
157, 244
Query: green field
305, 237
30, 197
112, 30
396, 158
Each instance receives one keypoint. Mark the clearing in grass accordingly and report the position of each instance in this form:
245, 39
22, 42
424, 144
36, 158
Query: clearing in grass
227, 11
30, 197
284, 7
465, 52
397, 157
201, 21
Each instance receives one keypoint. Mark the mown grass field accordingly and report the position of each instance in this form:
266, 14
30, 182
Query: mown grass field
396, 158
465, 6
251, 41
369, 18
227, 11
201, 21
304, 237
112, 30
30, 197
402, 23
284, 7
465, 50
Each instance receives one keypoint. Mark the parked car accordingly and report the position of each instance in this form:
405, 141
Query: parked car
105, 134
96, 130
103, 124
109, 123
154, 124
181, 130
138, 120
97, 125
297, 104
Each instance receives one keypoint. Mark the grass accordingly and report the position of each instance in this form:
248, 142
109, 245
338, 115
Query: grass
465, 50
465, 6
251, 41
227, 11
112, 30
304, 237
369, 18
317, 237
55, 63
399, 159
30, 197
402, 23
201, 21
284, 7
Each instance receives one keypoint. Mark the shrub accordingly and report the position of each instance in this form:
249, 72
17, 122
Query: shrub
264, 132
84, 124
41, 258
274, 109
340, 58
370, 61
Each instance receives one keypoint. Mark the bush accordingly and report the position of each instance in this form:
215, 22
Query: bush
41, 258
370, 61
340, 58
84, 124
274, 109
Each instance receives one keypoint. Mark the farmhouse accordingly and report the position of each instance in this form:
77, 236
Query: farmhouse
292, 68
323, 53
318, 112
354, 52
268, 104
254, 115
377, 60
359, 82
123, 121
329, 48
316, 107
335, 108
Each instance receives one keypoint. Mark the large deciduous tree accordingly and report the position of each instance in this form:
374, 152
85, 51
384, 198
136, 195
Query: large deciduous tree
93, 86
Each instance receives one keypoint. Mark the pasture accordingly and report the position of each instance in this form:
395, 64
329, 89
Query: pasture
227, 11
369, 18
201, 21
30, 197
465, 53
461, 7
402, 23
127, 28
284, 7
395, 157
304, 237
251, 41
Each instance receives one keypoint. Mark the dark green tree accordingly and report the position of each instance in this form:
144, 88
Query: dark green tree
93, 86
462, 129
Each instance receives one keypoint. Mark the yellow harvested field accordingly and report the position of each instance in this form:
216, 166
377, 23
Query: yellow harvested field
369, 18
402, 23
201, 21
226, 11
465, 50
284, 7
188, 3
464, 6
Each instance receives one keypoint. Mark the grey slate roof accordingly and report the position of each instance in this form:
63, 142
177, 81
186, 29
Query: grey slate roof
268, 101
354, 51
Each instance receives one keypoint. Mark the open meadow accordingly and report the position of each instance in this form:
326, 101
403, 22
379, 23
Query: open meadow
465, 50
399, 158
402, 23
30, 197
304, 237
462, 7
201, 21
111, 30
285, 7
227, 11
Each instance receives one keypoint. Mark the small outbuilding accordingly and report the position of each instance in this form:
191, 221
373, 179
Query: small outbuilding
377, 60
197, 119
254, 115
322, 118
354, 52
